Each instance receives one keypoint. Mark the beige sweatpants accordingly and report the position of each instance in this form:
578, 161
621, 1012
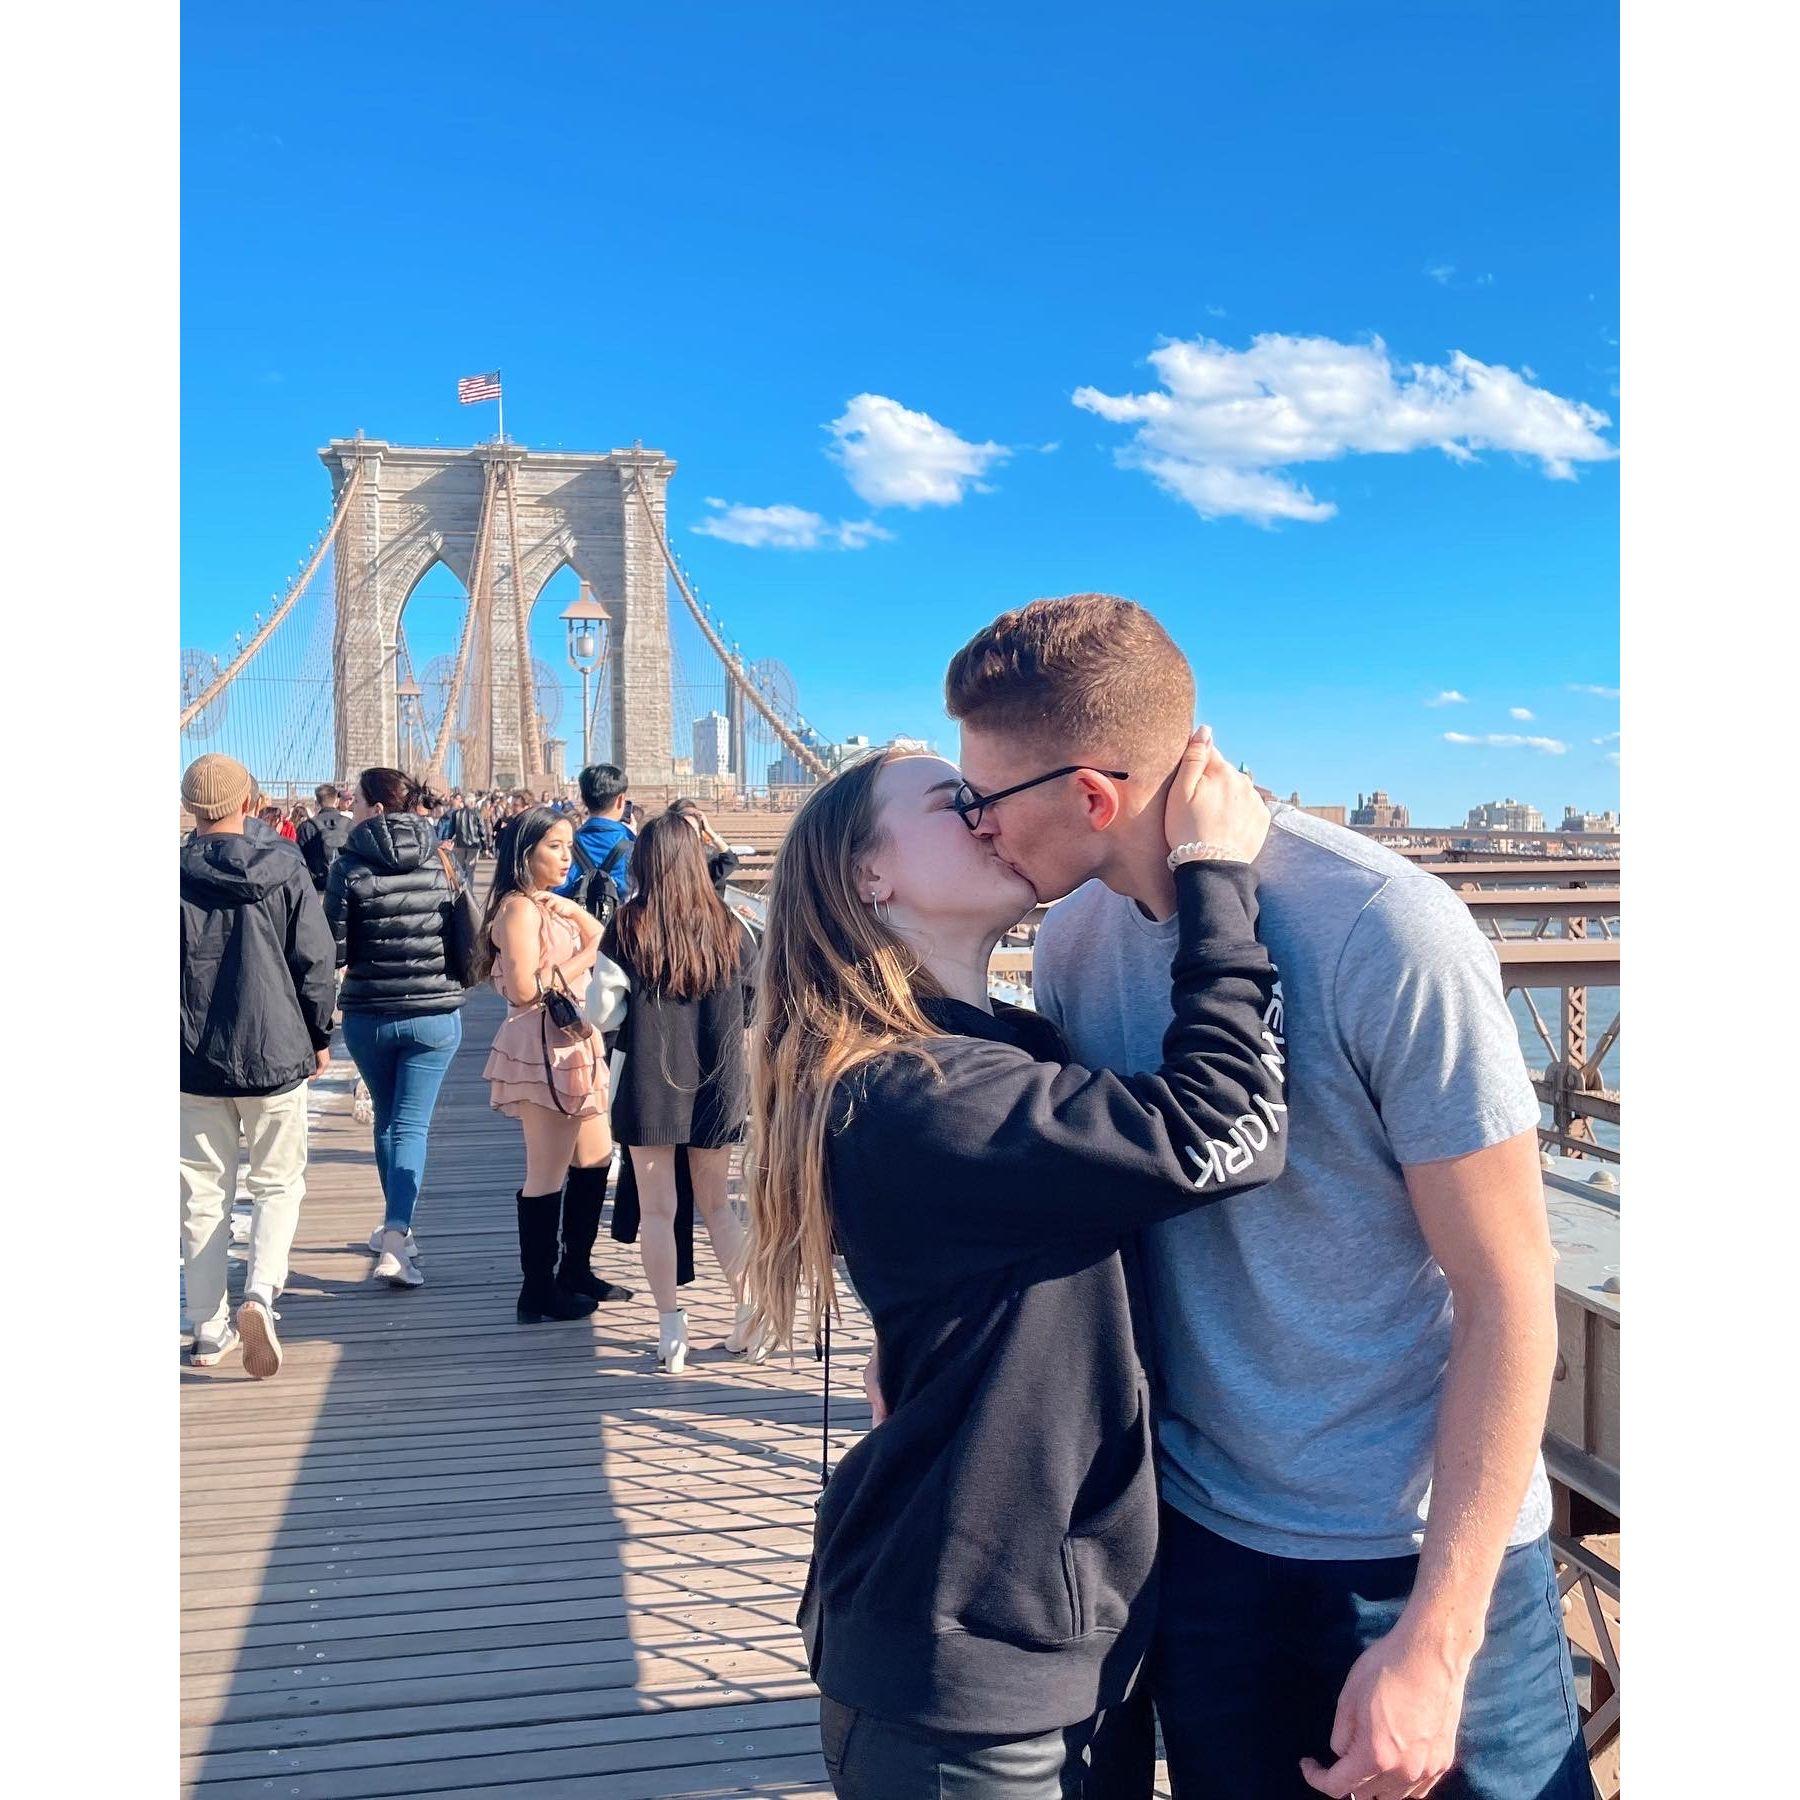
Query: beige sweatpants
274, 1134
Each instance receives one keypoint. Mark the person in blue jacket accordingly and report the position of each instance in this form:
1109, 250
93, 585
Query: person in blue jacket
601, 837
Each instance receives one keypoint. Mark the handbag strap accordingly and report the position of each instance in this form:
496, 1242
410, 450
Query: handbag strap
449, 867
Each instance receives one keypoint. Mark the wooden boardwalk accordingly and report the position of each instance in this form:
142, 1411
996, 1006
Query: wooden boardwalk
442, 1553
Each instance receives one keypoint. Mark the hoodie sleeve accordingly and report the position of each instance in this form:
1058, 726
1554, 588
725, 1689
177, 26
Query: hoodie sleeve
310, 961
1003, 1154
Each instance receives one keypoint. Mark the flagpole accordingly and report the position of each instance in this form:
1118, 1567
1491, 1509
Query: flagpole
500, 401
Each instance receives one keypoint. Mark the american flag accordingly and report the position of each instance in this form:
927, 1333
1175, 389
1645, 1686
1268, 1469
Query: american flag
478, 387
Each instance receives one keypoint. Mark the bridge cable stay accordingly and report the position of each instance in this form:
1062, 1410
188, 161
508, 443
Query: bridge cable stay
796, 746
531, 748
472, 625
244, 657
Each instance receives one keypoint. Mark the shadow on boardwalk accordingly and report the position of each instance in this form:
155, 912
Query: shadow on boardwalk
445, 1554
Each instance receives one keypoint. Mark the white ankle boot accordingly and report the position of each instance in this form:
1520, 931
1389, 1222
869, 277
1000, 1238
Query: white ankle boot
672, 1345
739, 1342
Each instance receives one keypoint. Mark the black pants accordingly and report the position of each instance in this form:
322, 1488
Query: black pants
878, 1759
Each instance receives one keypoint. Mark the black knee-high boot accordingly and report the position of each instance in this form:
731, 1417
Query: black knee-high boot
584, 1193
540, 1298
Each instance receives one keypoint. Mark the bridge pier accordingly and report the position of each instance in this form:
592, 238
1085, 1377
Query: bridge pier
417, 507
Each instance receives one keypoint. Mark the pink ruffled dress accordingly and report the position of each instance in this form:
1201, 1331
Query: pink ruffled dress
515, 1065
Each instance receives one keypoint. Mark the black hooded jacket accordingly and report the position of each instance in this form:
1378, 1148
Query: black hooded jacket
321, 839
388, 903
256, 967
985, 1559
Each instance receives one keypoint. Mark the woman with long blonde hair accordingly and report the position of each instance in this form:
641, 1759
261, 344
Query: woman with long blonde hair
981, 1583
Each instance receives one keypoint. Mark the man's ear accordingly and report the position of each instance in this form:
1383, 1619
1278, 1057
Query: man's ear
1101, 799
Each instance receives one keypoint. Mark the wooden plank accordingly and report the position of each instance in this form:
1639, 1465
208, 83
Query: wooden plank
442, 1553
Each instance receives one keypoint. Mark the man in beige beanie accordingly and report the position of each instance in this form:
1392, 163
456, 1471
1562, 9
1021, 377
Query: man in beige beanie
258, 990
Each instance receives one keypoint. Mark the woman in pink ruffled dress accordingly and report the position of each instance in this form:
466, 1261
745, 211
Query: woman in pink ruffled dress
555, 1088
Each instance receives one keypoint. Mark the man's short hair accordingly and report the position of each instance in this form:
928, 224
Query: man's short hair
601, 784
326, 794
1088, 673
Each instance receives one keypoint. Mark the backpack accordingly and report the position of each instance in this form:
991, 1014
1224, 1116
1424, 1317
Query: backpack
598, 890
323, 842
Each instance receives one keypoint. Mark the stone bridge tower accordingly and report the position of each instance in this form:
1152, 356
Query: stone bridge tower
417, 507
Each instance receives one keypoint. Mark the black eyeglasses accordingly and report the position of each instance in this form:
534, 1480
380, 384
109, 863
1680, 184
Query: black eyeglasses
971, 805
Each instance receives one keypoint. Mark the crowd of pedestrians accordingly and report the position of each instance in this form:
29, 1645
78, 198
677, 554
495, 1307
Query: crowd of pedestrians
1212, 1299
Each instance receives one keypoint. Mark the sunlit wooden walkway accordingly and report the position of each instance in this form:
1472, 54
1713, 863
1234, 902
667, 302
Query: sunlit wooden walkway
441, 1553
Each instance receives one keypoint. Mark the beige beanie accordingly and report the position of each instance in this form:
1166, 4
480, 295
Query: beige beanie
215, 786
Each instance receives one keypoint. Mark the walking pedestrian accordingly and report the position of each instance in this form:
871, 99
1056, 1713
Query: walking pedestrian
691, 965
321, 838
388, 902
256, 1003
553, 1081
468, 835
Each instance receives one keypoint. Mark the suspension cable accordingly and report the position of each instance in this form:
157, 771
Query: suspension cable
801, 751
241, 661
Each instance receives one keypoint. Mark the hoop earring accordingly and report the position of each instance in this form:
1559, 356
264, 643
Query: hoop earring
882, 915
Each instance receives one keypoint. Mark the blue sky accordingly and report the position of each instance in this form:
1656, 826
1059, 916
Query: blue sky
862, 265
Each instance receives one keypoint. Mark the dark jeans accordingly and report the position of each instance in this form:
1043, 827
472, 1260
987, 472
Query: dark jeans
879, 1759
404, 1060
1252, 1650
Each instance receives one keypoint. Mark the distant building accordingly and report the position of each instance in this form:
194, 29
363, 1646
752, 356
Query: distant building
1575, 820
712, 745
789, 773
556, 760
1378, 810
1505, 815
1332, 815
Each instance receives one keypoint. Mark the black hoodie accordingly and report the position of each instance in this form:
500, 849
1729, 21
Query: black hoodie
388, 902
984, 1560
256, 967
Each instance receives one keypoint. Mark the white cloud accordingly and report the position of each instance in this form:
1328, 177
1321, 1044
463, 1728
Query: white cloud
1587, 687
1484, 281
1051, 448
1508, 740
1440, 272
1215, 312
785, 528
1523, 713
1612, 737
1612, 756
1449, 697
893, 456
1225, 424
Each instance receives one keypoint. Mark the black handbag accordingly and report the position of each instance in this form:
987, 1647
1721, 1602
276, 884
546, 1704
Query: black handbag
462, 926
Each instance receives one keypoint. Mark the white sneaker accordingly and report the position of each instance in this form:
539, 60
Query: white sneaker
413, 1252
262, 1348
672, 1344
738, 1343
395, 1264
208, 1353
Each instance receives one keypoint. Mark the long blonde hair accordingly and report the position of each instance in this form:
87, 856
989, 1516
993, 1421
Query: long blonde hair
835, 988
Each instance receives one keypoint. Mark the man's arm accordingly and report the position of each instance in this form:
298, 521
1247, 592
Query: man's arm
1483, 1217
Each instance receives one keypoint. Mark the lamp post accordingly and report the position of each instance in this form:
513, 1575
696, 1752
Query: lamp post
408, 693
588, 624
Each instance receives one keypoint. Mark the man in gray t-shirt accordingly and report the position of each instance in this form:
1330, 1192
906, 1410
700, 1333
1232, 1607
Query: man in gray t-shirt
1351, 1366
1301, 1336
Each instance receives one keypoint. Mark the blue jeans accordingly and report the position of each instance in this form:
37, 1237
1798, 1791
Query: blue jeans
404, 1058
1252, 1650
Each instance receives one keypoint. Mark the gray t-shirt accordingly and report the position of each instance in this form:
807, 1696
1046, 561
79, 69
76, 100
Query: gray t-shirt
1302, 1329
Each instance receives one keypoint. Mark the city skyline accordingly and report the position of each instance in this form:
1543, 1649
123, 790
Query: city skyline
1330, 387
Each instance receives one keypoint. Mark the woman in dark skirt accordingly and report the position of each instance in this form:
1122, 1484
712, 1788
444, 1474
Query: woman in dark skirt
691, 965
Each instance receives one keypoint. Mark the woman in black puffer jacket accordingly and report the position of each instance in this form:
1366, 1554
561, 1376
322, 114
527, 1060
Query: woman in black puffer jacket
388, 898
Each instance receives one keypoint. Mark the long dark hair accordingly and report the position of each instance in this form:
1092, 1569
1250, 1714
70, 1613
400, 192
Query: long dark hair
675, 935
511, 876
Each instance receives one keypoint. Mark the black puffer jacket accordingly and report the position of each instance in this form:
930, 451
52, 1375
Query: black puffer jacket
256, 990
388, 902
